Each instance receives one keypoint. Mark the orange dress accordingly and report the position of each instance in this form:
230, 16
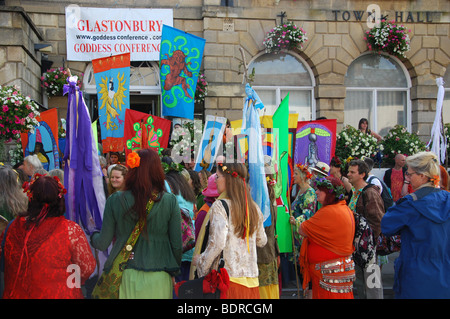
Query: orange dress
326, 252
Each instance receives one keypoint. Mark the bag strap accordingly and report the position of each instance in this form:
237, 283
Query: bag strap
128, 248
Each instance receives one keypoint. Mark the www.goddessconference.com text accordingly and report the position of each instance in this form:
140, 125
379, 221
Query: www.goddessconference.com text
224, 309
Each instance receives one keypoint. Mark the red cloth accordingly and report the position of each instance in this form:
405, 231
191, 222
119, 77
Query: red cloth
39, 269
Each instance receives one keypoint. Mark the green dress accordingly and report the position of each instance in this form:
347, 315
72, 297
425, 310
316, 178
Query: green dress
157, 253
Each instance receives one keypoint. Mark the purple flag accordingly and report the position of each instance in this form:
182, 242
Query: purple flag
83, 177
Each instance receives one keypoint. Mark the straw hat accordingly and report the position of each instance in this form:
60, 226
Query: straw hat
321, 168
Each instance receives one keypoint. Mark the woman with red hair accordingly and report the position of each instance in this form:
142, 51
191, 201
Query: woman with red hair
326, 252
46, 255
156, 256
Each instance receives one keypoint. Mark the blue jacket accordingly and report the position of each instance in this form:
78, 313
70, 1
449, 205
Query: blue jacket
422, 219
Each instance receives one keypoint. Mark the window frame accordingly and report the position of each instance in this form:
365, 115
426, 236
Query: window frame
278, 89
374, 91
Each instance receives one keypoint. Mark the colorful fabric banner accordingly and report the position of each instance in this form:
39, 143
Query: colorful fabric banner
280, 118
180, 60
251, 126
83, 177
45, 138
315, 142
155, 134
211, 141
112, 78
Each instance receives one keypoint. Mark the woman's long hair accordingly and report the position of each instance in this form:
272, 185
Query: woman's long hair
12, 197
145, 182
45, 190
239, 194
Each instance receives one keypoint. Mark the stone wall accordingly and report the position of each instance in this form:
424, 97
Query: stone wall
335, 31
19, 62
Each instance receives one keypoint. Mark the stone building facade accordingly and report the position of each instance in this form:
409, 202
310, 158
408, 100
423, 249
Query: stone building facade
234, 31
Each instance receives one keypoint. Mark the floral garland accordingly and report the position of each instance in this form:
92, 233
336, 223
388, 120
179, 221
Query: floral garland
304, 169
285, 36
171, 167
53, 81
326, 183
17, 114
388, 37
202, 89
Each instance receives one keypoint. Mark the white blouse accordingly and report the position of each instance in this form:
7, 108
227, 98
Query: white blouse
239, 261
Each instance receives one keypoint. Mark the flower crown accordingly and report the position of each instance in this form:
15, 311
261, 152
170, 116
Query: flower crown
27, 185
304, 169
171, 167
232, 173
326, 183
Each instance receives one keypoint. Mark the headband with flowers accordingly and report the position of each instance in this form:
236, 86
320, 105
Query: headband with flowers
27, 185
171, 167
232, 173
304, 169
133, 160
326, 183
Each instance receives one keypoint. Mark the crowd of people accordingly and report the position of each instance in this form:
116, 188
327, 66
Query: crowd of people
146, 193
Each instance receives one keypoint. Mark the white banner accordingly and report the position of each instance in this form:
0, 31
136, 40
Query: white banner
93, 33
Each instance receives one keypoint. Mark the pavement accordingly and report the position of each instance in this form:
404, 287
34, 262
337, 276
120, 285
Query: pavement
290, 291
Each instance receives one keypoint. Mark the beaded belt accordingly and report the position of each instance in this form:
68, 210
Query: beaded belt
337, 274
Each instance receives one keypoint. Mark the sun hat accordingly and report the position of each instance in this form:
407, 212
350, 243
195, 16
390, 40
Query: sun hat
321, 168
211, 188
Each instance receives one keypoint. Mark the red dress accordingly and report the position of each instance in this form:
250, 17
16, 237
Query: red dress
40, 269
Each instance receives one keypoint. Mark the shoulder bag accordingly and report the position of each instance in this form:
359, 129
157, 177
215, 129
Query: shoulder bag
108, 284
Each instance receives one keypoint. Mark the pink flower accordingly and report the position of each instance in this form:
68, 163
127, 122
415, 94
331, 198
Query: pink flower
5, 108
31, 115
56, 76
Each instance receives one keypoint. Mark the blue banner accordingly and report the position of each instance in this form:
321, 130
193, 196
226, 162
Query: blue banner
180, 60
112, 78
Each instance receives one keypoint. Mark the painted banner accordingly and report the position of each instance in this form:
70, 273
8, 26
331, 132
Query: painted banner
211, 141
112, 78
155, 134
44, 141
93, 33
180, 61
315, 142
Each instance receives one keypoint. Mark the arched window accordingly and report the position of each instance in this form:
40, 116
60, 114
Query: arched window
446, 104
276, 75
377, 89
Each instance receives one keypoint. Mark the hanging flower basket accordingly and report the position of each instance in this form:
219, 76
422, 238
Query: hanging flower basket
54, 79
285, 36
17, 113
388, 37
202, 89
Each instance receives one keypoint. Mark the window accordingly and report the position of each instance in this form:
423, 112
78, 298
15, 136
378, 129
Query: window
145, 90
446, 104
377, 89
276, 75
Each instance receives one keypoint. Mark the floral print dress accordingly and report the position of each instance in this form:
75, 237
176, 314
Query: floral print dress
303, 208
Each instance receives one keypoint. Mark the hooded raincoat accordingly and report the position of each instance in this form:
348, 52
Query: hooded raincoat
422, 219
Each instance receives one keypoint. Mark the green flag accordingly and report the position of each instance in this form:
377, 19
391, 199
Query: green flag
280, 121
